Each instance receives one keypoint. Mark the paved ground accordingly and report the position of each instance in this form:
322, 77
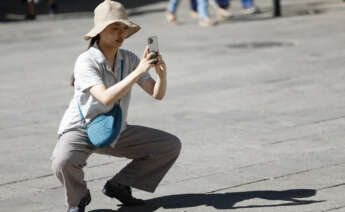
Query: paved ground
258, 103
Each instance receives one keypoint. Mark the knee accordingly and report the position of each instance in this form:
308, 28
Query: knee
176, 143
59, 164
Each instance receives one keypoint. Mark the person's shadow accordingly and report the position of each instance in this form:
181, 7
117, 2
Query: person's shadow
222, 201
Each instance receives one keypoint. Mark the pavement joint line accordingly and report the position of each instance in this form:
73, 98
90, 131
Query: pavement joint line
319, 121
309, 170
290, 139
293, 203
296, 173
46, 175
334, 209
332, 186
251, 165
26, 179
274, 178
239, 185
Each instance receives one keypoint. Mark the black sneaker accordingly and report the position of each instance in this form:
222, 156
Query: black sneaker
82, 204
123, 193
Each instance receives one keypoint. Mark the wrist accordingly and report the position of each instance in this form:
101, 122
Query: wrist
138, 72
162, 75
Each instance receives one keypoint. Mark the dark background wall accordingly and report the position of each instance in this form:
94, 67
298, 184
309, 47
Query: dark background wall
17, 7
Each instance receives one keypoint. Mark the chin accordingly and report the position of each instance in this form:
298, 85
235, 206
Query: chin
117, 45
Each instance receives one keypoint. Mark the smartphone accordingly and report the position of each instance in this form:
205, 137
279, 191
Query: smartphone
153, 46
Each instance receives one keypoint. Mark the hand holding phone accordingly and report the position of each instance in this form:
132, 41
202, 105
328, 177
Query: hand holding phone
153, 47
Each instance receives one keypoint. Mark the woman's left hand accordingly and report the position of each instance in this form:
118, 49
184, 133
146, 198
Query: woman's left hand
161, 67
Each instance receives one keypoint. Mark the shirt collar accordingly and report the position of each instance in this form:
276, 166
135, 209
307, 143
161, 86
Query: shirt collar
100, 58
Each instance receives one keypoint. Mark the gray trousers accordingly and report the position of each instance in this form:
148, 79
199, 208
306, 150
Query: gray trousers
152, 151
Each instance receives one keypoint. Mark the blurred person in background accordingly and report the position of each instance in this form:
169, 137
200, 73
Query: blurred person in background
53, 8
223, 8
201, 8
103, 78
30, 8
249, 7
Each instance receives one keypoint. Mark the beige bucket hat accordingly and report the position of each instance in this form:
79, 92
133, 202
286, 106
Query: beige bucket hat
109, 12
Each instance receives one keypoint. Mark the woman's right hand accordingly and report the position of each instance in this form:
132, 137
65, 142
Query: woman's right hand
145, 62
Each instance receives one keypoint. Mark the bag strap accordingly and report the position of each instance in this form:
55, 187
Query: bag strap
82, 117
81, 113
121, 70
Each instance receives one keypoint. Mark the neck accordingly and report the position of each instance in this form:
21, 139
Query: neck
109, 52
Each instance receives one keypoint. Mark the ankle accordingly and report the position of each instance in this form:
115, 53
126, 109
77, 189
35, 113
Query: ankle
171, 17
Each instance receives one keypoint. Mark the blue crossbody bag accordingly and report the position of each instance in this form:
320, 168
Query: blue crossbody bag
105, 128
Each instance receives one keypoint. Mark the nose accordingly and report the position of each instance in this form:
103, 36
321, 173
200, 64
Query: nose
122, 34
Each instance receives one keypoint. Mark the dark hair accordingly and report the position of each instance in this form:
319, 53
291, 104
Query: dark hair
92, 42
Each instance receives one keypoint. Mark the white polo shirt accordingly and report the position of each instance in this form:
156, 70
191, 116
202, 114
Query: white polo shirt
92, 68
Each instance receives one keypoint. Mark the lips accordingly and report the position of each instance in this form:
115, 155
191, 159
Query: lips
119, 40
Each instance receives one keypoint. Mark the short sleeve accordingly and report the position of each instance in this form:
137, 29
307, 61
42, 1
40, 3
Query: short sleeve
135, 60
86, 75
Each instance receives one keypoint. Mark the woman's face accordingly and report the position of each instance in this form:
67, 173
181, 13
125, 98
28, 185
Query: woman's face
114, 34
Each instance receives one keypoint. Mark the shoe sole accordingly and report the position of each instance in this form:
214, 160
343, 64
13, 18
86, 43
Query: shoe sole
116, 196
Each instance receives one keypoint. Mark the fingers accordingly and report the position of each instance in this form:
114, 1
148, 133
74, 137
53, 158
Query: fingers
146, 52
160, 66
151, 55
153, 61
151, 58
159, 57
160, 60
